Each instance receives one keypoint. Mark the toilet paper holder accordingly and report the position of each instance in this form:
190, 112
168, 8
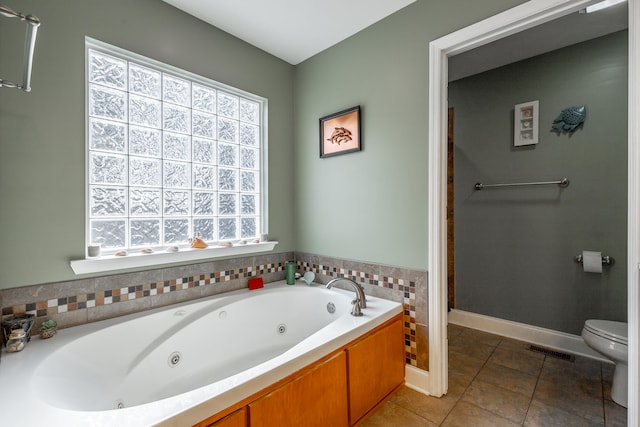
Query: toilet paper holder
606, 260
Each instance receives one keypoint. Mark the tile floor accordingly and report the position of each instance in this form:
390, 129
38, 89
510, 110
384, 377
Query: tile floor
497, 381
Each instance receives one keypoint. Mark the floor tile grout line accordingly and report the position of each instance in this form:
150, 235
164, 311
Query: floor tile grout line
530, 399
535, 387
488, 411
461, 394
410, 411
454, 405
471, 382
604, 408
601, 375
548, 367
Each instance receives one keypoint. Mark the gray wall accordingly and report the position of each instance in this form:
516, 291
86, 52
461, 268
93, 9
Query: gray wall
42, 141
372, 205
515, 247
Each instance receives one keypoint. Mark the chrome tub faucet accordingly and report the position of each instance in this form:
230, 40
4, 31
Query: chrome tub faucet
360, 302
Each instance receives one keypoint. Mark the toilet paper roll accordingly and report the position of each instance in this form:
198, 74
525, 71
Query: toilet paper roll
592, 261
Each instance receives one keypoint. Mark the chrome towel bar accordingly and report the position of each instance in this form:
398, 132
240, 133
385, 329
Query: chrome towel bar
564, 182
29, 44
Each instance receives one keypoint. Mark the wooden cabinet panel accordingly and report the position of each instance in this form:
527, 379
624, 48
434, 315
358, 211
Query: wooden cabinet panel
376, 367
316, 399
237, 419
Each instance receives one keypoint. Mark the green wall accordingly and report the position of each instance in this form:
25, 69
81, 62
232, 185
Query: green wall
367, 206
515, 246
372, 205
42, 143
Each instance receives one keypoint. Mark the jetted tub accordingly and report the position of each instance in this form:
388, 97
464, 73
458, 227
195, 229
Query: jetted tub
178, 365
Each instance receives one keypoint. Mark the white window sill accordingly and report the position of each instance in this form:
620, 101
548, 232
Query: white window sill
136, 260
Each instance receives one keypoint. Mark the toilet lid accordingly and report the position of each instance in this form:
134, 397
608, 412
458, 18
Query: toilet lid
615, 331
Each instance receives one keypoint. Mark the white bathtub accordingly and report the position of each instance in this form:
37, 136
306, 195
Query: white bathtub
178, 365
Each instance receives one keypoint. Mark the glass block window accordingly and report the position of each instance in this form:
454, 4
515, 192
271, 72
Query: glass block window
170, 155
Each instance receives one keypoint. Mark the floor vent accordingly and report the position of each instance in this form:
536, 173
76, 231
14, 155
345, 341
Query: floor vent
552, 353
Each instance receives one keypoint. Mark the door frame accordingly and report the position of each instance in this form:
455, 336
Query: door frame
519, 18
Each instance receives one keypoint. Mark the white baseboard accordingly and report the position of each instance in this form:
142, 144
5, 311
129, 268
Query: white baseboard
549, 338
416, 379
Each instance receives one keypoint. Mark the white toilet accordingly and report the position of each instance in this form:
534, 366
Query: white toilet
609, 338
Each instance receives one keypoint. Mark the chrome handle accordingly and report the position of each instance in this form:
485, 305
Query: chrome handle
356, 311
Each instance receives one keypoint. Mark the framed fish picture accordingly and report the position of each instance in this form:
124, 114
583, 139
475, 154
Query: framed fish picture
340, 133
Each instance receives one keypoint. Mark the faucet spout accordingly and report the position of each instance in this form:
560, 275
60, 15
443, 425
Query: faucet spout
361, 299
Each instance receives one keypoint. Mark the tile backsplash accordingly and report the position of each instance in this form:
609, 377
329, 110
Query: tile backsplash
81, 301
87, 300
408, 286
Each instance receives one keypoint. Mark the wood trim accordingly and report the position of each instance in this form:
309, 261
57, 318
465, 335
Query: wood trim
451, 253
437, 242
633, 217
244, 402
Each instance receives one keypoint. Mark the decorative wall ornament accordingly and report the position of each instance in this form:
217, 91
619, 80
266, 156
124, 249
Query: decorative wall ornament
569, 119
525, 123
340, 132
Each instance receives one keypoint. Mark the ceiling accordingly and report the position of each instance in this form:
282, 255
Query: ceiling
292, 30
566, 31
295, 30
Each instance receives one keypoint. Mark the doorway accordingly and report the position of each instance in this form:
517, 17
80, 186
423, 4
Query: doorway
525, 16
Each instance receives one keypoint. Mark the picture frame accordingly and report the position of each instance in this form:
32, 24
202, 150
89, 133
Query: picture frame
525, 123
340, 133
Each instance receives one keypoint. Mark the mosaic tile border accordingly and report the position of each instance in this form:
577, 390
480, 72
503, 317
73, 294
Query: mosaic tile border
50, 307
408, 290
92, 298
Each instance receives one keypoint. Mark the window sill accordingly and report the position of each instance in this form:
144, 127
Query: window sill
136, 260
